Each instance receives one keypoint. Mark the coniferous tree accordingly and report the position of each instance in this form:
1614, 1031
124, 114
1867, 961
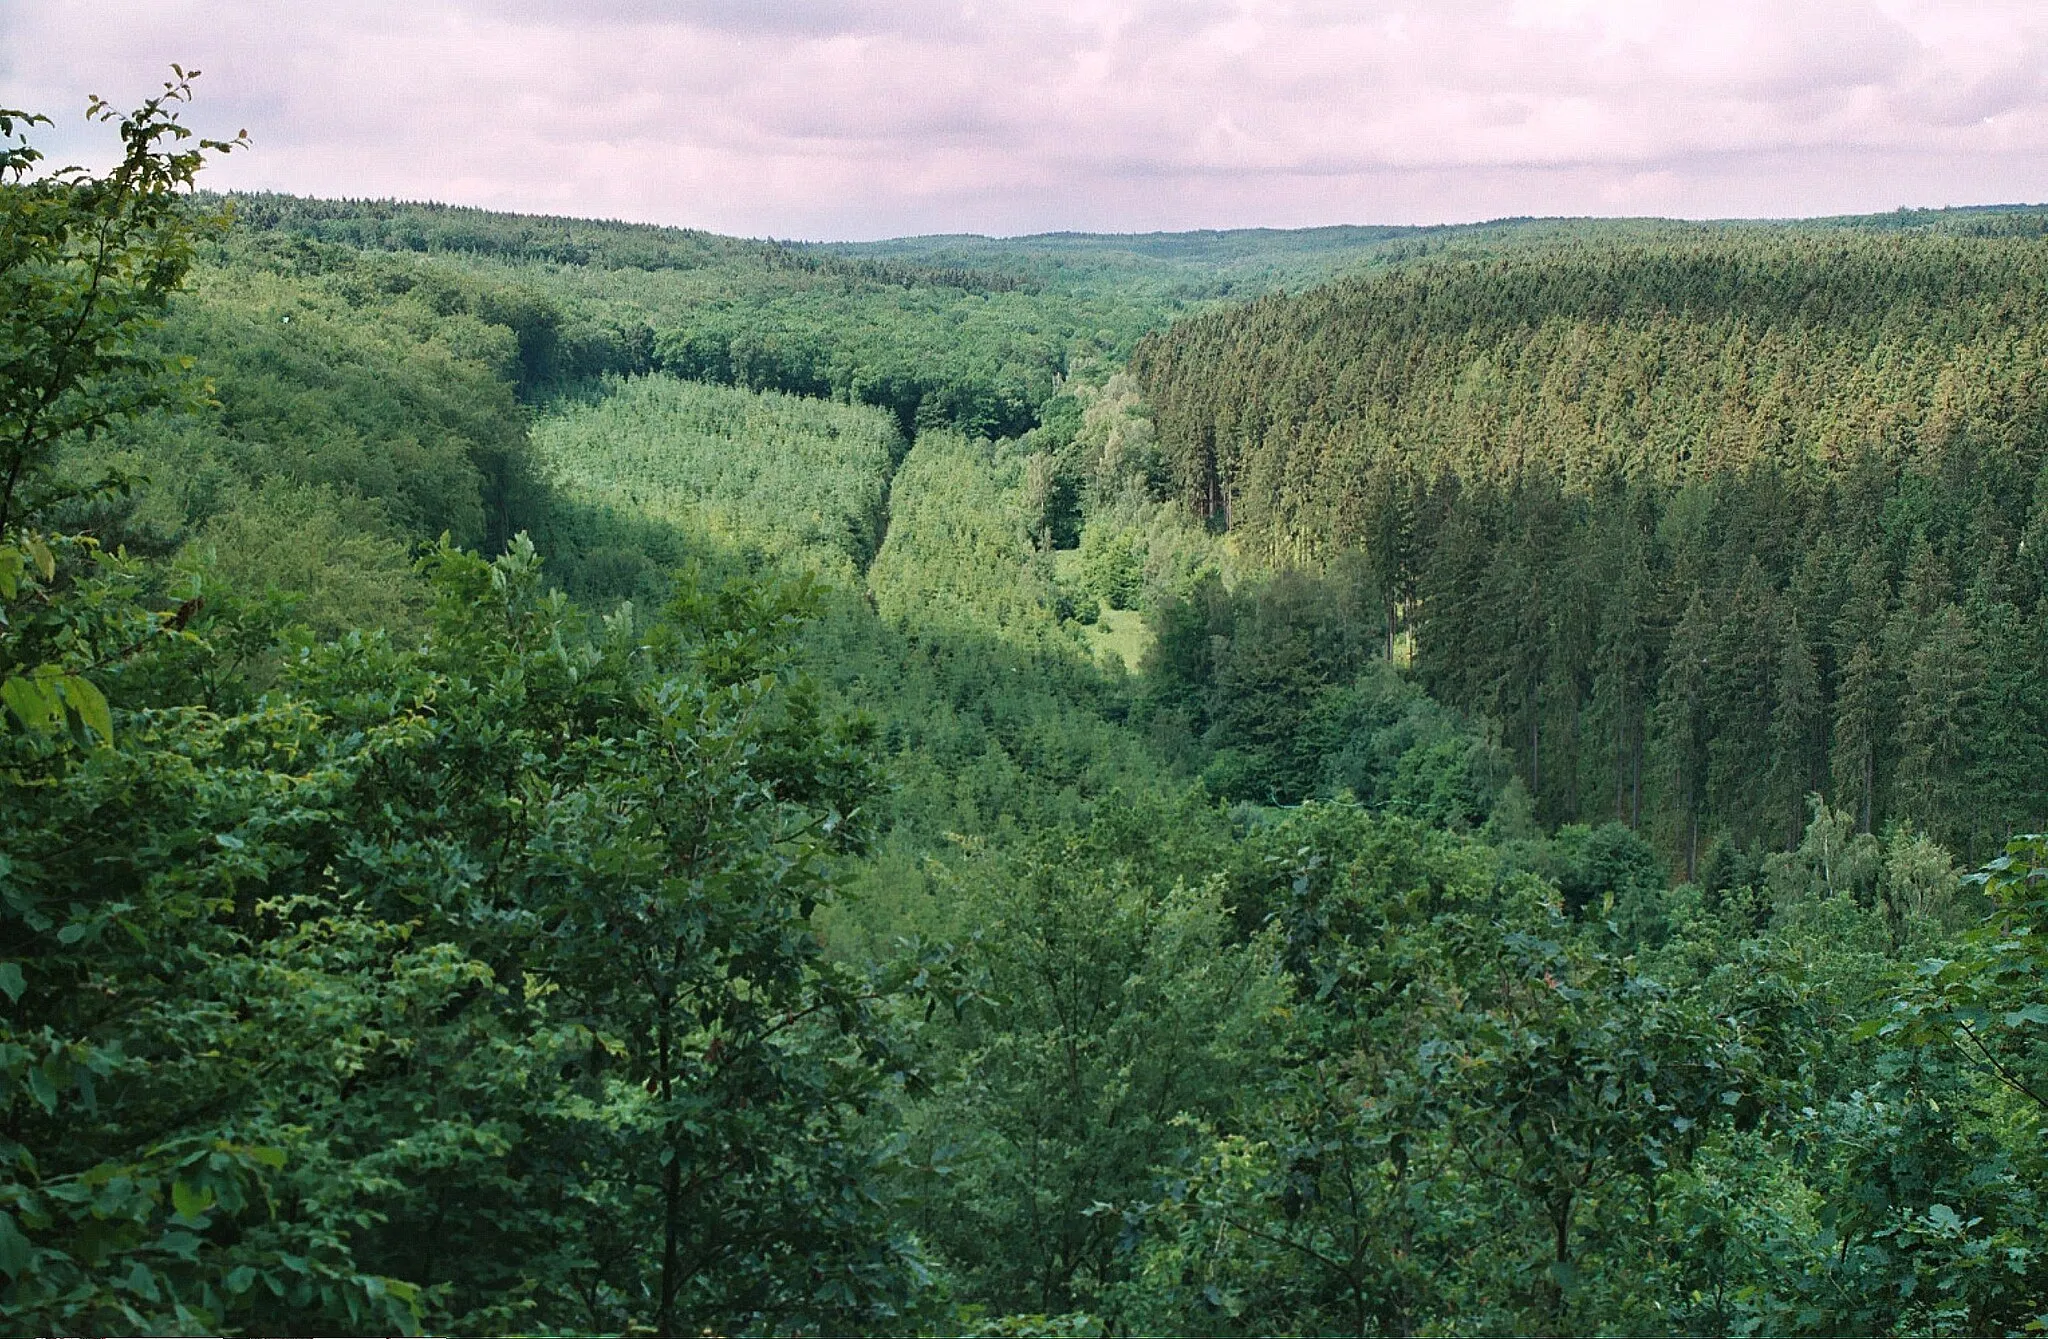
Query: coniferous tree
1682, 728
1738, 687
2012, 734
1938, 723
1455, 643
1795, 732
1621, 677
1863, 712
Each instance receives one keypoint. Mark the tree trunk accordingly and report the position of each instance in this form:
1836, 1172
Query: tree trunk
1561, 1240
672, 1208
1692, 844
1635, 779
1869, 784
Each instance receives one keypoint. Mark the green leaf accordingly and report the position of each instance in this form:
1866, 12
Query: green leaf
32, 700
11, 981
42, 1089
141, 1282
15, 1252
189, 1200
272, 1158
91, 706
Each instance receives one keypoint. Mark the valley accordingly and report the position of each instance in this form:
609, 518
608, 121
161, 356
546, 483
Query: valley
572, 777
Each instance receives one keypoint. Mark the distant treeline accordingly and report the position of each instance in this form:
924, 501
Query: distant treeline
1702, 524
401, 225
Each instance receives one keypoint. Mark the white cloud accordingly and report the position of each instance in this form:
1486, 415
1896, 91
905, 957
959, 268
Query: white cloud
866, 118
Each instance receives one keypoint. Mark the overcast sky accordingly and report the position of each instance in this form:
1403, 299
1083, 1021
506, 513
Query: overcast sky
843, 119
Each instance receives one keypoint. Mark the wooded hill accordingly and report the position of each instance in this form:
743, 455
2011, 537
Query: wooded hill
1706, 520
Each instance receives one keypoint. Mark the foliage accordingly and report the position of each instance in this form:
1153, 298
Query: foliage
959, 552
384, 947
466, 983
1988, 1000
1705, 522
815, 937
804, 481
86, 265
1118, 1011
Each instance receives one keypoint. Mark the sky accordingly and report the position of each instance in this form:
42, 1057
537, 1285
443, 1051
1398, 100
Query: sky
858, 119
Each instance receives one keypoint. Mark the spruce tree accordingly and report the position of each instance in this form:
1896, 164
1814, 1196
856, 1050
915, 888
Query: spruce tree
2012, 736
1863, 708
1682, 737
1796, 719
1937, 730
1738, 689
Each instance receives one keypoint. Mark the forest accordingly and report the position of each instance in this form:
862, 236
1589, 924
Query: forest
562, 777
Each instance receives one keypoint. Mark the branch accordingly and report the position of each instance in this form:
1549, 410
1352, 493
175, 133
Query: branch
1998, 1070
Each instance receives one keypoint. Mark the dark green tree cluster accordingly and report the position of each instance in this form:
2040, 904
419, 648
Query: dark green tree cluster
1701, 529
1661, 360
1279, 691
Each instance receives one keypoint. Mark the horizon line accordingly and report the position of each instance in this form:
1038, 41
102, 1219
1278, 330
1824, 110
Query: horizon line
1997, 207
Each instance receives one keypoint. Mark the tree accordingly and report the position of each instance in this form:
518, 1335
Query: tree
629, 827
1681, 727
1621, 662
1469, 1110
86, 265
466, 983
1118, 1012
135, 993
2012, 743
1795, 729
1939, 727
1955, 1182
1863, 706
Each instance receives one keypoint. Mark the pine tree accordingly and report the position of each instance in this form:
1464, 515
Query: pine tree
1622, 671
1739, 697
1453, 640
1922, 595
1795, 731
1863, 708
1938, 727
1388, 544
1682, 728
2012, 735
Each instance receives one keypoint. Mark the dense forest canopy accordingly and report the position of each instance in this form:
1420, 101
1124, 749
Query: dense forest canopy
1705, 524
569, 777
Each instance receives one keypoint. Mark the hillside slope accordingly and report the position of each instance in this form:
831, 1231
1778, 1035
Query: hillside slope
1705, 522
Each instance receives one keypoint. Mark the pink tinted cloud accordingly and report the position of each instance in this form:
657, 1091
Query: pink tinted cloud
867, 118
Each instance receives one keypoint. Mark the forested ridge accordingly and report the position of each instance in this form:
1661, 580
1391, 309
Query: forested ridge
566, 777
1705, 525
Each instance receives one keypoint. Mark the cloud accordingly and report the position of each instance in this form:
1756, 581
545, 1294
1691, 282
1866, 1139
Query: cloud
868, 118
